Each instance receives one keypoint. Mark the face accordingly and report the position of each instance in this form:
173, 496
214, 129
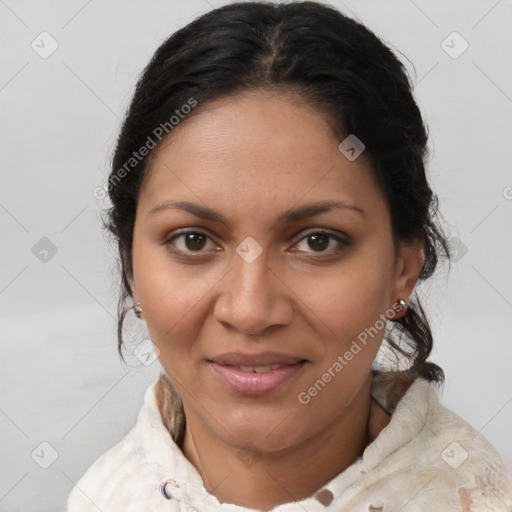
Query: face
231, 276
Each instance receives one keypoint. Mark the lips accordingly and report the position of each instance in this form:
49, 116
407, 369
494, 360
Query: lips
257, 374
256, 360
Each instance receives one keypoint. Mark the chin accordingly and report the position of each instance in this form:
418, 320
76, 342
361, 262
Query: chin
267, 431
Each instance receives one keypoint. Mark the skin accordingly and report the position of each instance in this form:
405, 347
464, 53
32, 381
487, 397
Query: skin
251, 157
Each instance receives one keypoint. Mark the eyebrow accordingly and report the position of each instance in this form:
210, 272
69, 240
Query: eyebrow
287, 217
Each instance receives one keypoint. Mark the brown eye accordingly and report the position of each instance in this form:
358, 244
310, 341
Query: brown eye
189, 242
194, 241
319, 242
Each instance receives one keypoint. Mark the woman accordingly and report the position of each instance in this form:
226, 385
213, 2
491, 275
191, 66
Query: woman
273, 218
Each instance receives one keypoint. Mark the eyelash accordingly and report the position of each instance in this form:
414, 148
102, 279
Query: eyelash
343, 242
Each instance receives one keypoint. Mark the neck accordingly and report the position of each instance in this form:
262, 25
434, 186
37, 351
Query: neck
266, 480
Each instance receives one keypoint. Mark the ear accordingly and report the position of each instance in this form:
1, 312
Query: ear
409, 262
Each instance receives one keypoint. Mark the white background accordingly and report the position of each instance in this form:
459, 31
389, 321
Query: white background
61, 379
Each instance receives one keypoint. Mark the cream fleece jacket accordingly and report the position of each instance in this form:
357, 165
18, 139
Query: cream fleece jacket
426, 459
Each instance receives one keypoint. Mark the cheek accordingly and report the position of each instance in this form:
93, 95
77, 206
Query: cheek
170, 290
346, 302
172, 297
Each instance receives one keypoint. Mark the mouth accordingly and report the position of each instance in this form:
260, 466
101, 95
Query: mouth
256, 380
260, 369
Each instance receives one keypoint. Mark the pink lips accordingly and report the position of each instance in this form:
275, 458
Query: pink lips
251, 383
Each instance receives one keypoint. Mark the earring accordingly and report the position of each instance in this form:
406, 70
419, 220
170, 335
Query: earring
137, 310
402, 305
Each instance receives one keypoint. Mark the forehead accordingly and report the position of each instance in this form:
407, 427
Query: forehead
259, 146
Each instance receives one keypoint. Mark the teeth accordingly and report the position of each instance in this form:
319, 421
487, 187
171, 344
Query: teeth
259, 369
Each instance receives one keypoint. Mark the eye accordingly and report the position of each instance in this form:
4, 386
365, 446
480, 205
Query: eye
191, 241
320, 241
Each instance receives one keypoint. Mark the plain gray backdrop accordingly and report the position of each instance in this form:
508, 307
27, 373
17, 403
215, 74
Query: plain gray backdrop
67, 73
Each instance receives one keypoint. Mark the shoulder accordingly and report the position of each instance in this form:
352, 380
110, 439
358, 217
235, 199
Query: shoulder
438, 457
465, 457
125, 477
104, 476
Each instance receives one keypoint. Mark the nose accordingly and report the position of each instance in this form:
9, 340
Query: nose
253, 297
